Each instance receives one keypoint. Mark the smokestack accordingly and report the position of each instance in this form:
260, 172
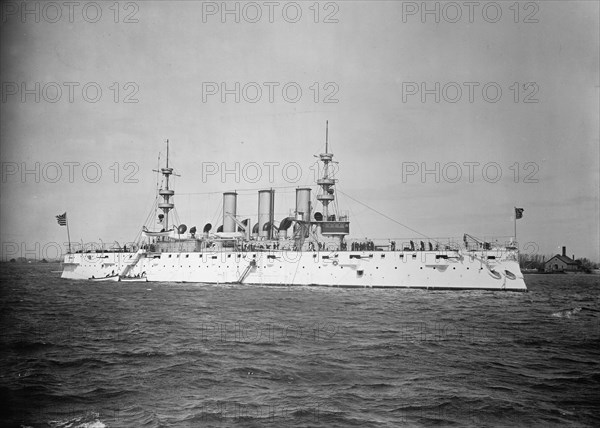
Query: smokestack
564, 251
573, 258
229, 207
303, 203
266, 202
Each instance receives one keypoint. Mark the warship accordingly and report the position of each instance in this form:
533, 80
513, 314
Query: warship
309, 247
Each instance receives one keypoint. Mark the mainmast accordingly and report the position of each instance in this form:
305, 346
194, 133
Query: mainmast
330, 225
166, 193
326, 182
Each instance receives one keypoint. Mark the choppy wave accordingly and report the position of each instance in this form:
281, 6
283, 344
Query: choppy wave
81, 356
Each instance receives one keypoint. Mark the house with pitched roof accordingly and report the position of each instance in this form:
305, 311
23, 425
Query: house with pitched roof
561, 263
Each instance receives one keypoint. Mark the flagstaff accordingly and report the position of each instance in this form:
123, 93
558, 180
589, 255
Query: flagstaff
63, 221
518, 215
68, 233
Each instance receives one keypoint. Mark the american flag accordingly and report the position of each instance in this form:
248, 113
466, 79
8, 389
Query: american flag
62, 219
519, 213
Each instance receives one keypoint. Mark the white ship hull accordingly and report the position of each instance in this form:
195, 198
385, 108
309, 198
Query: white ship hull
475, 270
242, 251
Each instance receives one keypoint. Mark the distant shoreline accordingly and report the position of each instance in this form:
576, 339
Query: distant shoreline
593, 272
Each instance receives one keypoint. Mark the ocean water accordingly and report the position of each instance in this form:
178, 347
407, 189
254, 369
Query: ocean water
82, 354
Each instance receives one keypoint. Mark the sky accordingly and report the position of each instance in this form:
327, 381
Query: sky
442, 116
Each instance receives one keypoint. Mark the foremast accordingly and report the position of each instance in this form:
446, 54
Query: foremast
166, 193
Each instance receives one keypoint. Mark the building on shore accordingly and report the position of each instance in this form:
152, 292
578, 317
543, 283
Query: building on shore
562, 263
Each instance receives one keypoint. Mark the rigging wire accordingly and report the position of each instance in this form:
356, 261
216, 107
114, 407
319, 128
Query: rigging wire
250, 190
386, 216
138, 236
217, 215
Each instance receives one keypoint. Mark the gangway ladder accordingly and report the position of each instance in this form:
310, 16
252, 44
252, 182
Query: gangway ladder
131, 264
244, 274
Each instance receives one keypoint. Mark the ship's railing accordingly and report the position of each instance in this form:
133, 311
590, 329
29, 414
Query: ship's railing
95, 247
431, 244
